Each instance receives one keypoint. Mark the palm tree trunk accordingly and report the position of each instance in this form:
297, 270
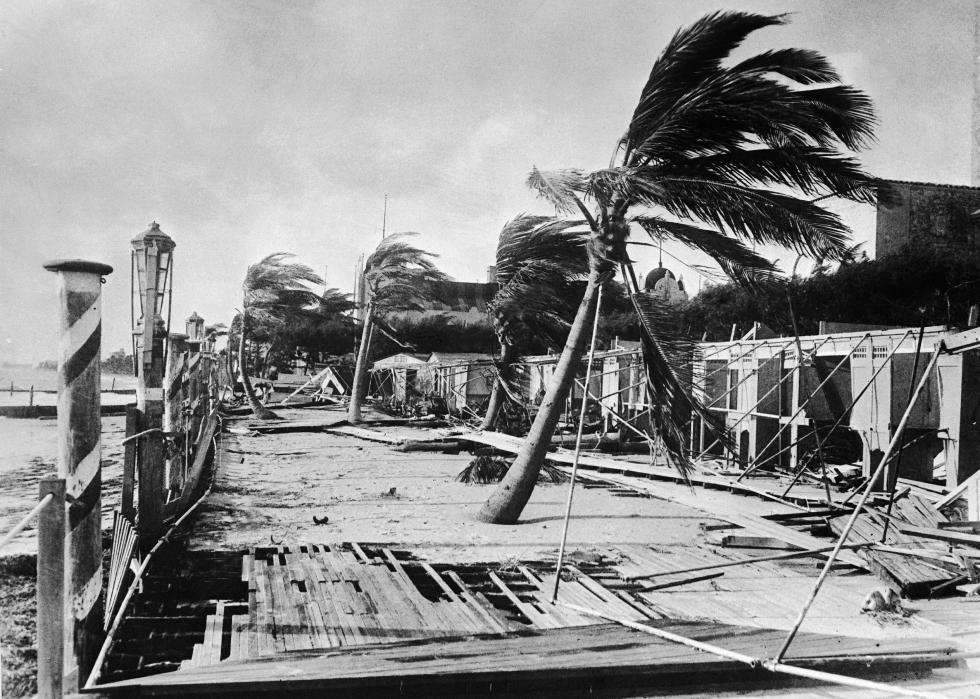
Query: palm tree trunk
258, 410
359, 390
498, 395
507, 502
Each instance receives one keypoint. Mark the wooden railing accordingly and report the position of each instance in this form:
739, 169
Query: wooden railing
169, 436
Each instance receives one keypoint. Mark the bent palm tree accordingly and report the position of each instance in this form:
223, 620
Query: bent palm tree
715, 155
540, 261
397, 276
273, 292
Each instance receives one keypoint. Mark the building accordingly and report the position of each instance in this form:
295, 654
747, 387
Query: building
395, 378
464, 380
941, 217
847, 391
664, 286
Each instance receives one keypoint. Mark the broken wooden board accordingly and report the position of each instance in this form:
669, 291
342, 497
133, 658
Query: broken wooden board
741, 516
913, 575
511, 444
579, 661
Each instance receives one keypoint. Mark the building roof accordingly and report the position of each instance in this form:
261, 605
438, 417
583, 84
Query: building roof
655, 276
400, 359
460, 296
931, 184
459, 358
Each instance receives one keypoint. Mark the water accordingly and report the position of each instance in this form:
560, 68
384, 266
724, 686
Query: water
29, 450
45, 383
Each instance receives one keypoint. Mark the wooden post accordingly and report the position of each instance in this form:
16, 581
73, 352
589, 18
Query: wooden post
80, 455
51, 590
173, 417
152, 491
152, 252
129, 465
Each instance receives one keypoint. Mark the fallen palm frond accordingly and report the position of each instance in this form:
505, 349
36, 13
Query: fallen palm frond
484, 470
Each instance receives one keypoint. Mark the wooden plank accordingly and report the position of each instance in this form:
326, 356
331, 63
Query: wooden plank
351, 611
316, 583
310, 627
754, 542
129, 464
270, 638
683, 581
579, 661
942, 535
479, 602
398, 617
690, 498
469, 618
532, 614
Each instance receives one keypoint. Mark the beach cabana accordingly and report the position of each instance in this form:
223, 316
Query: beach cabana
462, 378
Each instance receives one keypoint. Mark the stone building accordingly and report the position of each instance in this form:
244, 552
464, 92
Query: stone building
936, 216
664, 286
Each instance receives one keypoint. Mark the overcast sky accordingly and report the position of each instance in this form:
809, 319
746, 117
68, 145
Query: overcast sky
246, 128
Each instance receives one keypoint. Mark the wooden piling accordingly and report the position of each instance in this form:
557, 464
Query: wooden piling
152, 256
51, 638
79, 456
126, 506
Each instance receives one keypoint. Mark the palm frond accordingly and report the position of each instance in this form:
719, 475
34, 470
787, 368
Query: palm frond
542, 263
737, 260
669, 359
760, 215
812, 170
799, 65
400, 275
691, 57
560, 187
385, 329
484, 470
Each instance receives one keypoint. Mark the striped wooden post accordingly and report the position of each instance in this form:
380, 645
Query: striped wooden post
79, 456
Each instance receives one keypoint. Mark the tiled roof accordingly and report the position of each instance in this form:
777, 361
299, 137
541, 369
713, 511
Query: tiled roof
930, 184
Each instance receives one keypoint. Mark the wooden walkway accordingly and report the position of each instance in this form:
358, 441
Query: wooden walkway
568, 662
316, 597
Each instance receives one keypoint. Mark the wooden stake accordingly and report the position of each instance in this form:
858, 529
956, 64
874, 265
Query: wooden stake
860, 505
129, 465
51, 590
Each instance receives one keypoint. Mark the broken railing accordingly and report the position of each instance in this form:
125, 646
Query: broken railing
170, 433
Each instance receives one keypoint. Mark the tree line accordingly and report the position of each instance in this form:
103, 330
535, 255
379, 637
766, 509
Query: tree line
719, 154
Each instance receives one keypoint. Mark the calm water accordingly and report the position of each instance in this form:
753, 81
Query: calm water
45, 383
29, 450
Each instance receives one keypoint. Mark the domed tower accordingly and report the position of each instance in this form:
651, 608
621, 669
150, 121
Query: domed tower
664, 286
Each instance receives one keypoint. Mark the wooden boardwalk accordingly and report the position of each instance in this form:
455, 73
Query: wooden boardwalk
328, 596
567, 662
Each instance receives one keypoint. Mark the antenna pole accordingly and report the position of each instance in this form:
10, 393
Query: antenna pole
384, 218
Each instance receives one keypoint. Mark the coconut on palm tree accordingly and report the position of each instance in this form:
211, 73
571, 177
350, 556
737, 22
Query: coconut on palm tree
274, 292
397, 276
541, 267
719, 155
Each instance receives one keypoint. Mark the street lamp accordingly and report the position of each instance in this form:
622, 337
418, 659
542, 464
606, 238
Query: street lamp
151, 281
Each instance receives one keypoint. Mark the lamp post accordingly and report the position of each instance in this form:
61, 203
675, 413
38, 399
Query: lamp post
152, 269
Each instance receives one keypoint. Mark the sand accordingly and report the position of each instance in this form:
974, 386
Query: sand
269, 488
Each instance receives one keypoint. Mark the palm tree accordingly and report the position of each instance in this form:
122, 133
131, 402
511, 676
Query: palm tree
716, 154
397, 276
274, 292
541, 264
